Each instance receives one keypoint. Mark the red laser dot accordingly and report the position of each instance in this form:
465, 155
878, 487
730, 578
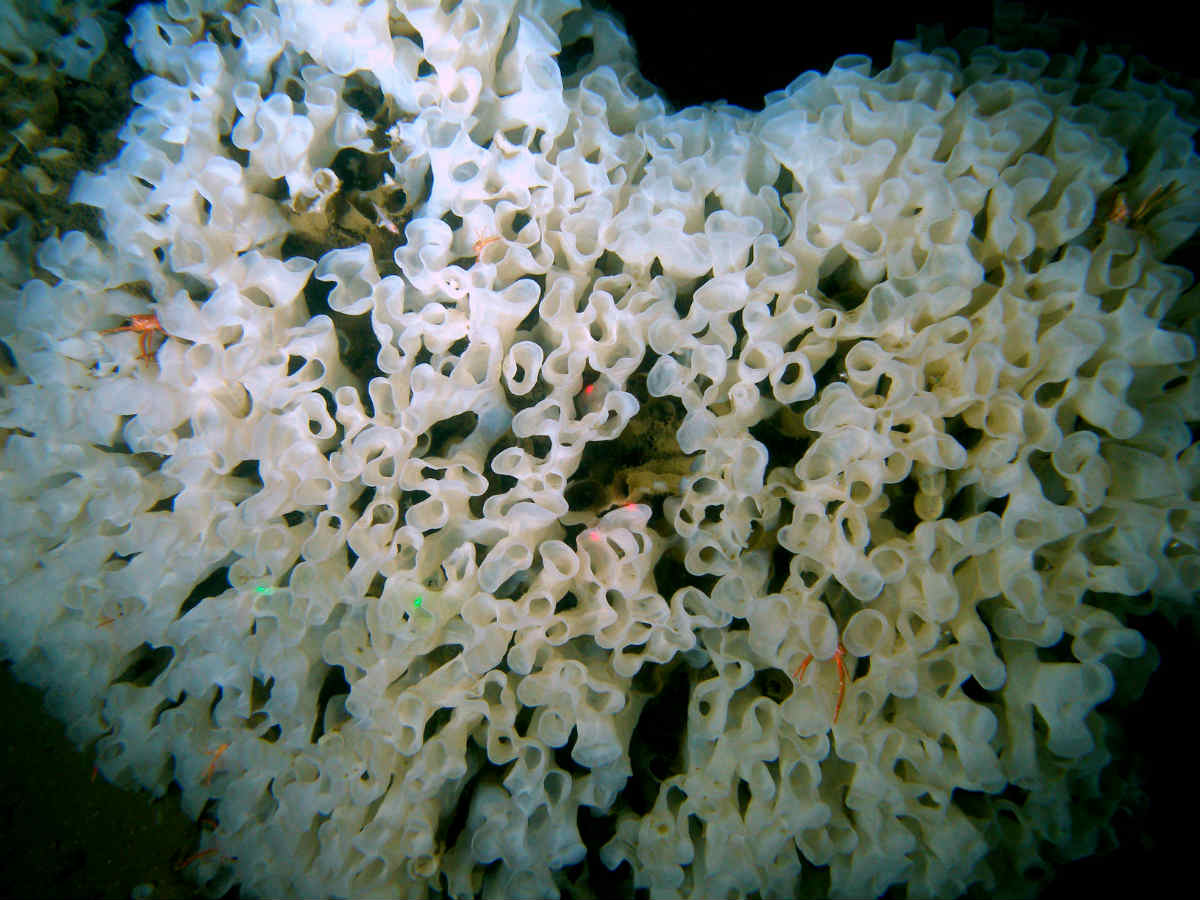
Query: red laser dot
594, 535
589, 388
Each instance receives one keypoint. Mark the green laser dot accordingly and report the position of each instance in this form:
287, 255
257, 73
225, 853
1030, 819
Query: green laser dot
417, 602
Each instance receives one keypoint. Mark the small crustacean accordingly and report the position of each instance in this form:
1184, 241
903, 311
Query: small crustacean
201, 854
1121, 214
212, 766
145, 325
839, 656
483, 242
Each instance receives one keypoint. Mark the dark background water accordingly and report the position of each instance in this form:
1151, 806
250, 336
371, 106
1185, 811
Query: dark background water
696, 56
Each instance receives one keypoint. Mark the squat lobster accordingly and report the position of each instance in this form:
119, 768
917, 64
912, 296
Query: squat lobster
839, 656
145, 325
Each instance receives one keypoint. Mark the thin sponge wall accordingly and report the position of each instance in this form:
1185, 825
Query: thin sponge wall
524, 478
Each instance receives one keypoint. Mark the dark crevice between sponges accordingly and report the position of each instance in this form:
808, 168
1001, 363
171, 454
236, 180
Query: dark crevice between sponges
333, 685
144, 664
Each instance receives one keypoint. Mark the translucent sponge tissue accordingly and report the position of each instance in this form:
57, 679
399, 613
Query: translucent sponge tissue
527, 478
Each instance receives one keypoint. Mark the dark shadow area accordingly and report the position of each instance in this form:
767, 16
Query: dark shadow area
66, 831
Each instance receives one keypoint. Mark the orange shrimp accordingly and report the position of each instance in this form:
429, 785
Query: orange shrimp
839, 658
483, 242
208, 773
187, 861
1154, 202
